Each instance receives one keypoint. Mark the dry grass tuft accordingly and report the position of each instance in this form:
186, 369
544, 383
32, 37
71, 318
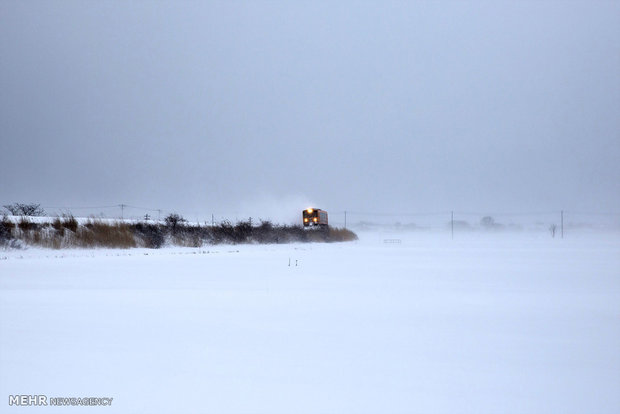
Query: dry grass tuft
69, 222
341, 235
57, 225
98, 234
25, 224
6, 229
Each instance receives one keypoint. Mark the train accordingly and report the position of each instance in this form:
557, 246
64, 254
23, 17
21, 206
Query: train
314, 217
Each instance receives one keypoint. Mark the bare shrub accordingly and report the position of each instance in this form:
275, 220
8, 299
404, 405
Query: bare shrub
152, 235
193, 236
224, 233
13, 209
317, 235
242, 232
187, 239
174, 220
265, 233
289, 234
21, 209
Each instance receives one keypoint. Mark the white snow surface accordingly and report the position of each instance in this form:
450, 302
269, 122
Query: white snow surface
503, 323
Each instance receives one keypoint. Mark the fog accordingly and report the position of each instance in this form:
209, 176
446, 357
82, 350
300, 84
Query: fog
228, 107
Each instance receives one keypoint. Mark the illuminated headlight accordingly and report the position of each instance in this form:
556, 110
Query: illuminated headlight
310, 211
315, 219
305, 220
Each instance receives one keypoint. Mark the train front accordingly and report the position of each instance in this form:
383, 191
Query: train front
314, 217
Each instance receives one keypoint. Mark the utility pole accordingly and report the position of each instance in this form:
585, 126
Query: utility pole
212, 221
562, 222
122, 211
452, 223
345, 219
158, 215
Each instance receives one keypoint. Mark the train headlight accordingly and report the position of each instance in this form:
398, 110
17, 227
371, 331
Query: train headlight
315, 219
305, 220
310, 211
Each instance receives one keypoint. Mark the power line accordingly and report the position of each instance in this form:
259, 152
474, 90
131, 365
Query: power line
581, 213
79, 208
96, 207
143, 208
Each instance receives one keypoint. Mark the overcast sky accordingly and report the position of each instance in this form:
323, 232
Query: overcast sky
374, 106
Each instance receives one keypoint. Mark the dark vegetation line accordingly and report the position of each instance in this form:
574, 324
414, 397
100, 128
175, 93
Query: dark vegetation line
67, 232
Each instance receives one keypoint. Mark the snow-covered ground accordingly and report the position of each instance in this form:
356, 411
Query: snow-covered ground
499, 323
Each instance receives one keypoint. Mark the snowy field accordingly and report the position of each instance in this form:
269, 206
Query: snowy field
512, 323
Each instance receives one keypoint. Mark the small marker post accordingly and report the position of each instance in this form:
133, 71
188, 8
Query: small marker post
452, 223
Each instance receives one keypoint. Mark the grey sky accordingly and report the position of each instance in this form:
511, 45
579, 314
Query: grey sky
374, 106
